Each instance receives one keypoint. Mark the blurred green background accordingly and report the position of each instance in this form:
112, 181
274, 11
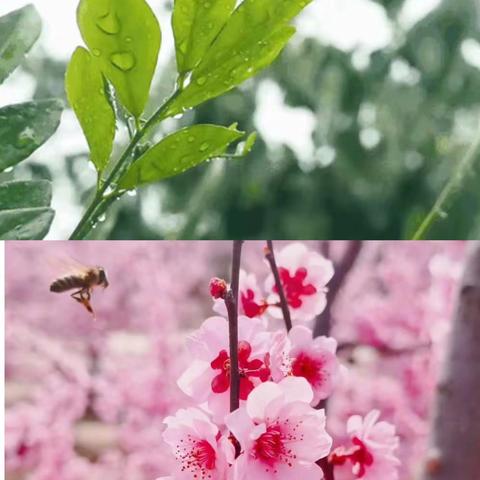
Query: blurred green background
379, 129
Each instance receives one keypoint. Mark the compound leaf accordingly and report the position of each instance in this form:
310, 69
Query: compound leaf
195, 25
19, 30
253, 37
24, 210
26, 126
124, 36
179, 152
86, 94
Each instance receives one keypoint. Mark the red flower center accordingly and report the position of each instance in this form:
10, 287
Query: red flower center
294, 286
250, 307
269, 446
308, 368
196, 456
358, 455
248, 369
204, 455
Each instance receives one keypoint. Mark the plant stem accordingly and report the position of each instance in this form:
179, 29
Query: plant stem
455, 181
270, 256
327, 468
231, 302
323, 321
100, 202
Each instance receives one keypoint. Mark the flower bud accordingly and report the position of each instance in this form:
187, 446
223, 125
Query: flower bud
218, 288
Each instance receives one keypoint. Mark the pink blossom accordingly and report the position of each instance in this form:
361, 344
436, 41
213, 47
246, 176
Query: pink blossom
281, 436
372, 453
300, 355
200, 451
208, 376
304, 275
252, 302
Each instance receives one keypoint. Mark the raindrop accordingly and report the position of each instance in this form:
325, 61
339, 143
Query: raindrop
442, 214
96, 52
178, 116
191, 139
201, 81
128, 39
109, 23
204, 147
102, 218
132, 193
7, 170
123, 60
107, 192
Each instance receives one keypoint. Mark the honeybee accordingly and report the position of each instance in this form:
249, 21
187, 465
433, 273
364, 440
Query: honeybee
82, 277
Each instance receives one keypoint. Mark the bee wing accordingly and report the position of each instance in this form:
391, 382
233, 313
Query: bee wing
64, 265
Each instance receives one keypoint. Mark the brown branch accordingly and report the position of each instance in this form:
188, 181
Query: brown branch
231, 302
327, 468
323, 322
455, 430
270, 256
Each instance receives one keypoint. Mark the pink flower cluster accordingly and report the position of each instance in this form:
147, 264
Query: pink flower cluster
278, 431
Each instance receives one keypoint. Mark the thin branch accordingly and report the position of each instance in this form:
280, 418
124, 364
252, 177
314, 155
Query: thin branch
454, 182
327, 468
455, 431
231, 302
323, 321
270, 256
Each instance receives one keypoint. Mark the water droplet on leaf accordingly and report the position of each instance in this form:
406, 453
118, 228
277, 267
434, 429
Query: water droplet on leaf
132, 193
201, 81
191, 139
123, 60
204, 147
109, 23
96, 52
102, 218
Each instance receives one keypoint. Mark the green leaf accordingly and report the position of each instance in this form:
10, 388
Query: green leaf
249, 143
25, 127
179, 152
25, 194
195, 26
251, 40
19, 30
24, 211
85, 88
124, 36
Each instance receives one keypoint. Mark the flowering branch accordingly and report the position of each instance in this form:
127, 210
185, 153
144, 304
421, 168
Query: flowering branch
231, 302
324, 320
455, 434
270, 256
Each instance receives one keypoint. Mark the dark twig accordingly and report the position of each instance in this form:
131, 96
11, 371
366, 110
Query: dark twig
270, 256
327, 468
324, 320
231, 302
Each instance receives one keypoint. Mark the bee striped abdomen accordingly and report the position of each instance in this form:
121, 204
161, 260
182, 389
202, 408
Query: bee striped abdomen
67, 283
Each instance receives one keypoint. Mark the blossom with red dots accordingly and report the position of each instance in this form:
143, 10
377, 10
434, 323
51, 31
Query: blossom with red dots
371, 455
280, 435
252, 302
304, 275
200, 451
300, 355
207, 379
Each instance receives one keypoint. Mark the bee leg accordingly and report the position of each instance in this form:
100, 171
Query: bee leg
78, 296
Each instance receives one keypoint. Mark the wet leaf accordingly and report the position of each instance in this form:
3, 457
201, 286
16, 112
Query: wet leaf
252, 38
19, 30
25, 127
124, 37
86, 94
25, 223
25, 194
249, 143
179, 152
195, 26
24, 210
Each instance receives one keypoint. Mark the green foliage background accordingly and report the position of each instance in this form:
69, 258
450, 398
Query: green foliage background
382, 192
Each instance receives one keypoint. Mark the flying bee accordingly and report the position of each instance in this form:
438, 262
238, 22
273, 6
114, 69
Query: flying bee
83, 278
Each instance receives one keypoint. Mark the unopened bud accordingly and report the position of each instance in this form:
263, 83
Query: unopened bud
218, 288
